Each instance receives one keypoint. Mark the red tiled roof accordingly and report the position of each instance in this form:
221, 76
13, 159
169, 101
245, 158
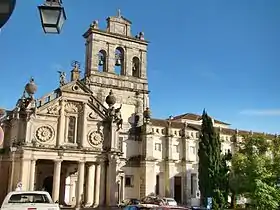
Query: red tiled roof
195, 117
226, 131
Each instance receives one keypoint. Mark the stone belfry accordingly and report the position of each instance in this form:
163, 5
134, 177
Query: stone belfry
116, 60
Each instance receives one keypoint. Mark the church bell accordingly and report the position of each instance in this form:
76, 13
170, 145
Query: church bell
118, 62
100, 62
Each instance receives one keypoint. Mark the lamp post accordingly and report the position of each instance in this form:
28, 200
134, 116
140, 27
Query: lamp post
52, 16
13, 151
6, 9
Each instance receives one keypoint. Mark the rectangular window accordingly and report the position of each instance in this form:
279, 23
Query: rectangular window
157, 146
72, 129
29, 198
129, 181
193, 184
192, 150
176, 149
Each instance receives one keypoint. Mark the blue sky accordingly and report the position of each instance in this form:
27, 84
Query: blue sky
220, 55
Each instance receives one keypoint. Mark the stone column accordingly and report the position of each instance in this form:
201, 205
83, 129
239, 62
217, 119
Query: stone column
80, 184
111, 185
84, 127
32, 175
90, 185
56, 180
61, 125
97, 185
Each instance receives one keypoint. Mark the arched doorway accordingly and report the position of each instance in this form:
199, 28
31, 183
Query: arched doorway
48, 184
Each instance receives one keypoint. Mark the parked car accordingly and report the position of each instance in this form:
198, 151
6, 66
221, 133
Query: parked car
129, 201
155, 200
153, 207
39, 200
170, 201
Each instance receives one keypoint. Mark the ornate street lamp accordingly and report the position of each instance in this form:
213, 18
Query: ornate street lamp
52, 16
6, 9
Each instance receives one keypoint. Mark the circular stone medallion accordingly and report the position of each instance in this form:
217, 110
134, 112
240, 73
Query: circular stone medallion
95, 138
44, 133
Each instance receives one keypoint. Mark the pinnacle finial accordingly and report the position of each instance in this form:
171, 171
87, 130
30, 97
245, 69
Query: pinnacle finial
119, 13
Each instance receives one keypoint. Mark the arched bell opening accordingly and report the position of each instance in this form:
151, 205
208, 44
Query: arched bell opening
102, 57
119, 61
135, 67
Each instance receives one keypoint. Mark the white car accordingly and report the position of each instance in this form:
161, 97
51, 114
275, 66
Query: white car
29, 200
170, 201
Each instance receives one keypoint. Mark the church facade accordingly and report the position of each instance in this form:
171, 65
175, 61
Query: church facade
92, 141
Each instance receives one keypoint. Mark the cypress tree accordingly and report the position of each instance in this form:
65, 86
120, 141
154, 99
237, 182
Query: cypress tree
209, 154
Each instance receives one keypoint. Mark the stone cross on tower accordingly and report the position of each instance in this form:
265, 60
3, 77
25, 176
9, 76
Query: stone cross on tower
119, 13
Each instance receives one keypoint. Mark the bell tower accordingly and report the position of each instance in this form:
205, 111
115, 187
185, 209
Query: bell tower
116, 60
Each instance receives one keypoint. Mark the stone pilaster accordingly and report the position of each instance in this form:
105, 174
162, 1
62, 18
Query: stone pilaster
111, 185
147, 178
103, 183
84, 127
24, 177
169, 179
147, 147
61, 124
143, 64
32, 175
111, 58
184, 183
184, 164
114, 136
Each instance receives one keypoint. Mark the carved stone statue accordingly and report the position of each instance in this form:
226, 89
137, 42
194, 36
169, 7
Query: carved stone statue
118, 117
62, 78
94, 24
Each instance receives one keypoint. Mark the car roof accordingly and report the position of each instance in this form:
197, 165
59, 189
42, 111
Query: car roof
28, 192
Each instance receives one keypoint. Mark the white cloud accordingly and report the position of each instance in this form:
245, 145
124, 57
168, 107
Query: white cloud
261, 112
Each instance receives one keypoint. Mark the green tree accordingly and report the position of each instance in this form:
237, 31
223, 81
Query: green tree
255, 171
209, 154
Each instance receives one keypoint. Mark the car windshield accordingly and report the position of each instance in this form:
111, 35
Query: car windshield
29, 198
170, 200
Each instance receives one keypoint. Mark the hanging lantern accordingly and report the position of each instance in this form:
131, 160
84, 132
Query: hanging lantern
52, 16
6, 10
